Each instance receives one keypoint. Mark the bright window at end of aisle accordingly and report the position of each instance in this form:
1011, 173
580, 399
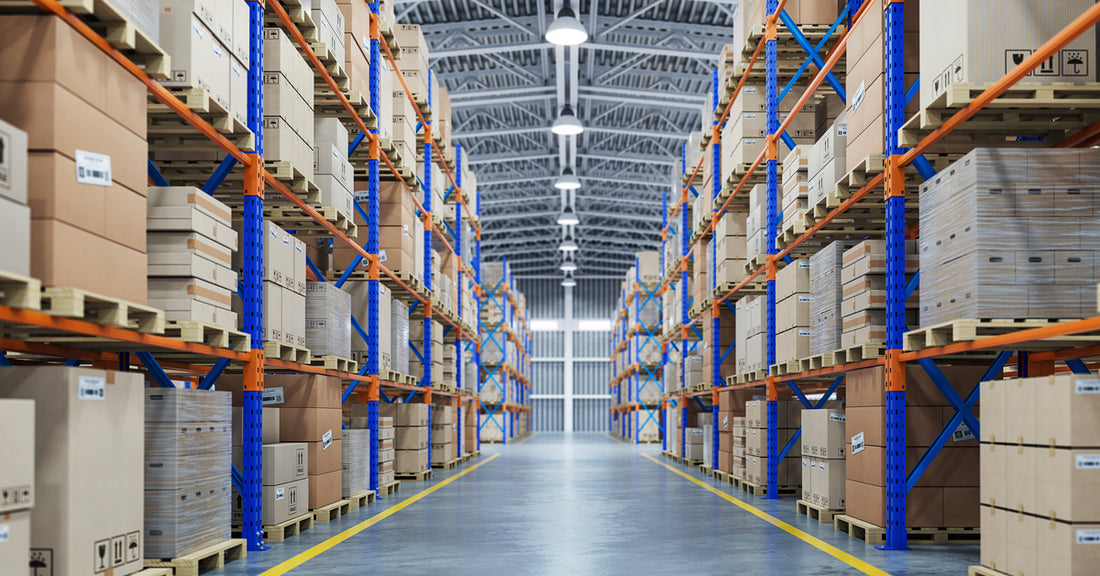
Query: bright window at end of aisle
594, 325
544, 325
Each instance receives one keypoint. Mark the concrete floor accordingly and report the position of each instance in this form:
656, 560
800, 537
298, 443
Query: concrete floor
580, 504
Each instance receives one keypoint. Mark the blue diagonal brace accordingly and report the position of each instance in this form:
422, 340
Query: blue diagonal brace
798, 393
219, 175
812, 53
71, 363
790, 444
1078, 367
237, 479
949, 393
155, 175
154, 369
316, 271
211, 377
913, 91
911, 287
354, 145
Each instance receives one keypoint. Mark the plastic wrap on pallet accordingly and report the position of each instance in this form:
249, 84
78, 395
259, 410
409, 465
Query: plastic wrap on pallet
179, 522
492, 273
648, 350
355, 461
328, 330
399, 337
171, 405
1010, 233
826, 296
358, 291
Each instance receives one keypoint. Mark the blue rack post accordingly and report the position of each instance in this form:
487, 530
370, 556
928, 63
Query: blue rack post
458, 258
373, 220
772, 187
426, 382
712, 276
685, 304
477, 307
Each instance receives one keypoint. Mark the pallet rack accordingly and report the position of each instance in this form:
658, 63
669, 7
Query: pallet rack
630, 413
1022, 342
202, 363
513, 381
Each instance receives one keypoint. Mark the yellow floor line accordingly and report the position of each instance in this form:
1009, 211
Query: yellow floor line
812, 541
611, 436
525, 439
315, 551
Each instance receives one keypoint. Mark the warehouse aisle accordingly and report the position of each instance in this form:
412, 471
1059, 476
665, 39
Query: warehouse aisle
581, 504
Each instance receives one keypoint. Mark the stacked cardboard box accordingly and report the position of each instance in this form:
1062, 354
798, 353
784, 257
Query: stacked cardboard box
386, 452
745, 132
823, 452
863, 307
493, 425
1010, 234
672, 429
700, 285
693, 370
330, 25
1039, 467
646, 429
708, 445
726, 334
756, 222
85, 120
188, 434
15, 216
443, 434
756, 442
413, 61
416, 338
328, 331
731, 409
469, 426
284, 285
285, 491
404, 128
828, 161
401, 233
357, 45
792, 312
827, 297
17, 483
332, 170
796, 187
90, 517
355, 461
947, 494
399, 336
191, 245
737, 448
751, 327
412, 436
359, 290
288, 104
693, 444
731, 248
450, 364
751, 14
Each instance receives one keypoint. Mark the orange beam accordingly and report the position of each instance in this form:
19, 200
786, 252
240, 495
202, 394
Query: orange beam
1007, 340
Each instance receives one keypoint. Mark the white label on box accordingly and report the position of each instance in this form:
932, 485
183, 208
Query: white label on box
326, 440
962, 433
218, 50
750, 142
238, 71
858, 99
92, 168
272, 396
750, 116
1090, 386
6, 153
804, 332
405, 229
1088, 536
91, 388
1088, 461
4, 531
857, 443
803, 264
842, 130
803, 298
197, 28
750, 89
838, 417
280, 493
381, 256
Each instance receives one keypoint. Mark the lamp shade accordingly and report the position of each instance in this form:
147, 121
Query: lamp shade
566, 30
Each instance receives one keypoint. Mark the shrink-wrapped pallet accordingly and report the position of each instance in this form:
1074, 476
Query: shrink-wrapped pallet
328, 328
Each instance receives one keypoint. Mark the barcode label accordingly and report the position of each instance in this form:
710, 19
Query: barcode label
803, 332
91, 388
272, 396
92, 168
1088, 461
858, 99
1088, 536
1090, 386
838, 417
803, 298
381, 256
842, 130
4, 533
857, 443
280, 493
962, 433
804, 264
326, 440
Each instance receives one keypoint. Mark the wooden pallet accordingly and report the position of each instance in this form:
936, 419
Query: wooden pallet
721, 476
754, 262
360, 499
293, 527
390, 488
287, 352
691, 463
208, 334
327, 104
293, 218
820, 361
204, 560
448, 465
821, 514
333, 63
102, 310
153, 572
750, 377
983, 571
756, 287
409, 280
876, 535
18, 291
973, 329
326, 514
335, 363
422, 476
860, 352
168, 132
300, 14
1052, 111
761, 490
704, 469
741, 201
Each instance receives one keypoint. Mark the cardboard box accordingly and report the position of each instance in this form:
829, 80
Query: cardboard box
68, 403
15, 549
824, 433
17, 453
323, 457
15, 234
324, 489
412, 438
406, 414
309, 424
410, 461
284, 502
442, 415
828, 478
285, 463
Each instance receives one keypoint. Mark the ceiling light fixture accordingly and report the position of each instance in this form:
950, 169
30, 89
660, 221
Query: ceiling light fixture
568, 265
567, 123
567, 181
568, 282
568, 245
566, 30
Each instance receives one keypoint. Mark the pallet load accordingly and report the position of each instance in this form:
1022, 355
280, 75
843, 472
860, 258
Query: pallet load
1038, 475
399, 337
449, 365
443, 435
731, 248
1009, 234
823, 458
355, 462
863, 285
188, 489
328, 331
737, 449
828, 160
493, 425
469, 427
693, 370
827, 296
359, 290
288, 104
400, 233
796, 188
191, 245
356, 45
412, 436
643, 427
792, 312
726, 333
330, 26
17, 481
745, 134
693, 445
672, 429
85, 120
403, 137
416, 339
105, 530
756, 224
284, 286
285, 490
731, 410
947, 494
386, 452
15, 216
751, 328
413, 60
751, 14
332, 170
756, 442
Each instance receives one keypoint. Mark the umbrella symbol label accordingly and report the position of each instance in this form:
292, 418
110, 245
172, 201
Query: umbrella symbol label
1075, 62
41, 563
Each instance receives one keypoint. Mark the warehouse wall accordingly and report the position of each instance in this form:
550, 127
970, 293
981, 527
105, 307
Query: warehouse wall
570, 352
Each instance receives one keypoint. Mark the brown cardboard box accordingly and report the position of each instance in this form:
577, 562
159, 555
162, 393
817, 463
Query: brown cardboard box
824, 433
17, 454
1022, 538
725, 461
324, 489
792, 279
828, 483
270, 425
405, 414
69, 402
299, 390
868, 503
55, 263
756, 443
284, 501
725, 442
284, 463
443, 434
1066, 482
867, 387
993, 466
410, 461
790, 470
412, 438
793, 312
867, 466
960, 507
442, 415
1067, 406
309, 424
323, 457
1067, 549
15, 551
993, 525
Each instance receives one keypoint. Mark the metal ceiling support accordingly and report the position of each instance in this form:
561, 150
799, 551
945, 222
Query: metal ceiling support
601, 129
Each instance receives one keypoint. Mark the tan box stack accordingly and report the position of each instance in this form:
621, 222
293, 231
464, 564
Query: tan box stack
737, 448
285, 492
828, 160
823, 452
85, 117
355, 461
284, 285
416, 337
328, 330
756, 442
443, 434
751, 328
863, 279
15, 216
1040, 469
732, 251
88, 526
493, 426
693, 444
331, 26
751, 15
412, 436
17, 483
288, 104
357, 45
188, 491
947, 494
332, 170
1010, 234
469, 427
792, 312
745, 132
731, 410
700, 285
796, 187
359, 291
386, 452
827, 295
726, 334
401, 234
399, 337
191, 244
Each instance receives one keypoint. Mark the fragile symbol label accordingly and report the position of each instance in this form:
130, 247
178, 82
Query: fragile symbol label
91, 388
857, 443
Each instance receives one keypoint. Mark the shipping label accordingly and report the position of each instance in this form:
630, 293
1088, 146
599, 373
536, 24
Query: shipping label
1088, 461
838, 417
92, 168
857, 443
1088, 386
962, 433
326, 440
1088, 536
272, 396
91, 388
